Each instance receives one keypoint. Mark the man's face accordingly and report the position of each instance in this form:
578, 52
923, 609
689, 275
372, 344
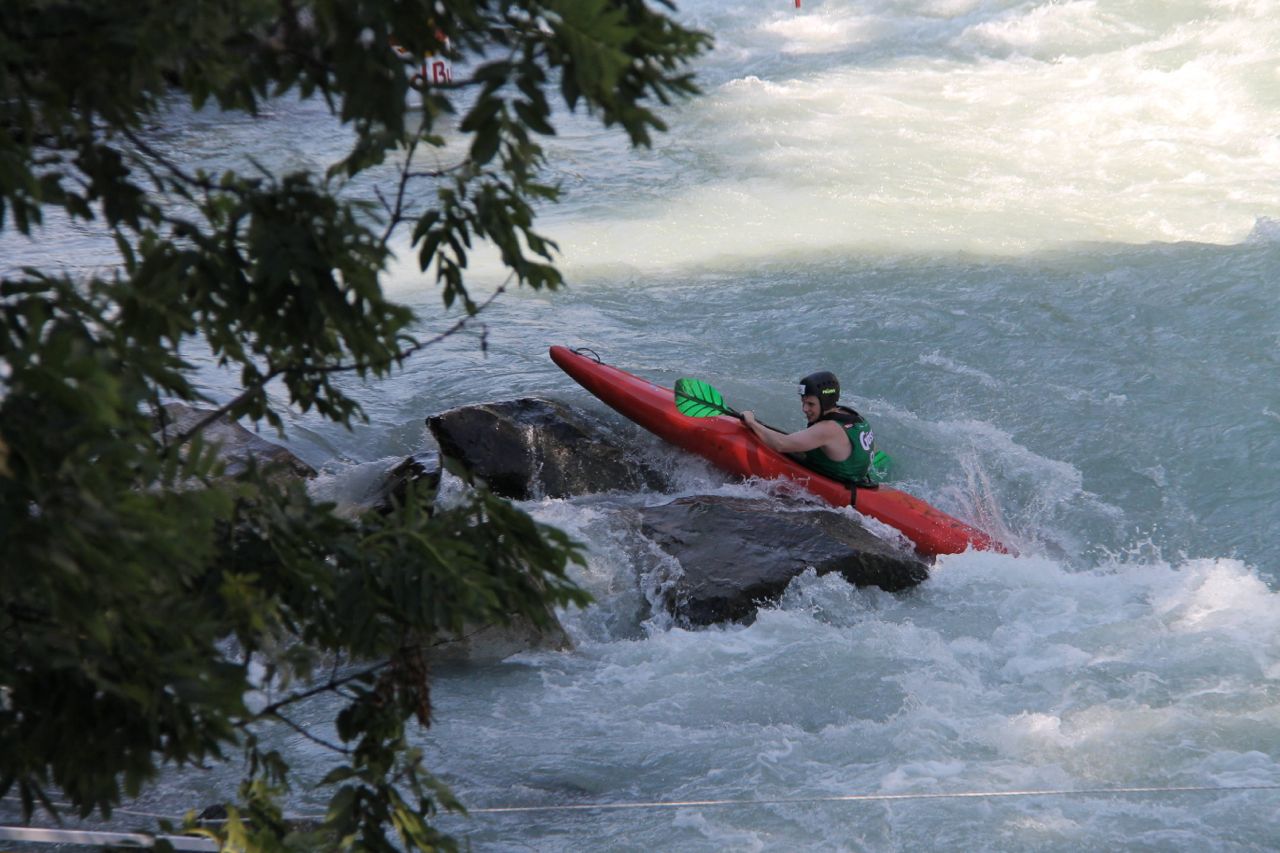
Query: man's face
811, 408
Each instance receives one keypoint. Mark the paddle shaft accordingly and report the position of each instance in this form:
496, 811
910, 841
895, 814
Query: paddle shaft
732, 412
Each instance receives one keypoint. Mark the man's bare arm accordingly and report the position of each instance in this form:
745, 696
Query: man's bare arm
797, 442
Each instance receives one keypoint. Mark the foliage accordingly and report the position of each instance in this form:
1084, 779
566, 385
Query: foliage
131, 565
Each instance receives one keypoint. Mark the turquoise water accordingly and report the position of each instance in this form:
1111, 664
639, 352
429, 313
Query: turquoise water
1039, 242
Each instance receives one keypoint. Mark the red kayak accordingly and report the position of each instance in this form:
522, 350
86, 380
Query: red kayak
728, 444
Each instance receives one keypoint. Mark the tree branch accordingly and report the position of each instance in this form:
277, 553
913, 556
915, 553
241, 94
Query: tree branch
333, 685
177, 171
342, 750
259, 384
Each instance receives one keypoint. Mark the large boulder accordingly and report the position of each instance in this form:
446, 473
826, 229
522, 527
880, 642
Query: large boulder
237, 445
531, 448
738, 553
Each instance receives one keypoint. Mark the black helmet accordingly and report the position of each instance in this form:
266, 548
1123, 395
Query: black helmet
822, 385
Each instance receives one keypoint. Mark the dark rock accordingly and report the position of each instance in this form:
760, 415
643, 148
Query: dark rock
237, 444
481, 644
738, 553
476, 643
531, 448
216, 813
421, 469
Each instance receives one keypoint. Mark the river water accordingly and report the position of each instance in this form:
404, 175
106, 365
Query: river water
1039, 242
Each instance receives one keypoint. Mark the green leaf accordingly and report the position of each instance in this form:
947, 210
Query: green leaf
535, 117
485, 146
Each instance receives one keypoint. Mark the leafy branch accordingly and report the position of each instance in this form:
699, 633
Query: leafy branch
128, 565
258, 386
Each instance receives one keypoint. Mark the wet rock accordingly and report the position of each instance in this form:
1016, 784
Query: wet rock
737, 554
475, 644
237, 444
481, 644
420, 469
215, 814
531, 447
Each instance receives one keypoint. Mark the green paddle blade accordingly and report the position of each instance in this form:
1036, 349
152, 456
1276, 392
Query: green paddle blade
697, 399
881, 467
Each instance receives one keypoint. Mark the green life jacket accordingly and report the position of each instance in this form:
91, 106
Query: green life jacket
859, 468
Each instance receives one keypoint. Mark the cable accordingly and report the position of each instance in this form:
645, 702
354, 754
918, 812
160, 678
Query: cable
841, 798
855, 798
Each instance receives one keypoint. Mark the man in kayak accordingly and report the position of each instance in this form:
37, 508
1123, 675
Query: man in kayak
838, 443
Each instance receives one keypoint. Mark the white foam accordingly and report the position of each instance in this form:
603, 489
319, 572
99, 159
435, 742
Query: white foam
937, 359
826, 29
1050, 29
998, 674
1037, 134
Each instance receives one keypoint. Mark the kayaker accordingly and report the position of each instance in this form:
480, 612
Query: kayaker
838, 442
